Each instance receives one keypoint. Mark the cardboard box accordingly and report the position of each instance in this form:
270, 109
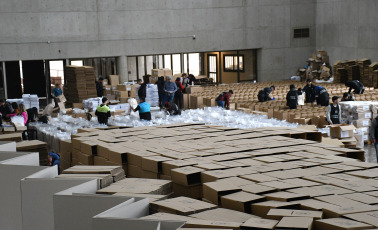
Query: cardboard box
114, 80
213, 191
261, 209
167, 166
191, 191
186, 175
181, 206
240, 201
61, 98
194, 89
278, 214
295, 223
366, 217
154, 163
342, 131
196, 102
340, 224
259, 223
222, 214
157, 72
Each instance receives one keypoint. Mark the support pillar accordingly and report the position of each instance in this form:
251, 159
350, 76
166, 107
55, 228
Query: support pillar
5, 81
122, 70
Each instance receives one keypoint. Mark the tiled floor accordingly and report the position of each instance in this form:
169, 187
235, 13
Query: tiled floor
370, 154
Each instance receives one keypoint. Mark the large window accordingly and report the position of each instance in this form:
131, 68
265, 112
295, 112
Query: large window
176, 63
167, 61
302, 33
231, 63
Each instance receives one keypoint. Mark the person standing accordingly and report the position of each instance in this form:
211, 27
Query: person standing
292, 98
160, 85
100, 87
142, 92
355, 85
144, 110
103, 112
347, 97
179, 97
334, 112
169, 89
322, 96
264, 94
57, 91
185, 83
223, 100
309, 91
374, 134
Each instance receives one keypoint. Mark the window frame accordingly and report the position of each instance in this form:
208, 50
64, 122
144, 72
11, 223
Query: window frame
301, 33
233, 58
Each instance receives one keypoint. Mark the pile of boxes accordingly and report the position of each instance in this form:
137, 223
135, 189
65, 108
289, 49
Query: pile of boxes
30, 101
156, 73
80, 83
34, 146
363, 70
317, 67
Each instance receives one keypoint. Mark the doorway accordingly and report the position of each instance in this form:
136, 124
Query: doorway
212, 66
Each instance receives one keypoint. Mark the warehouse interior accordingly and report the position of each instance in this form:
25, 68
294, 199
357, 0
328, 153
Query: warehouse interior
188, 114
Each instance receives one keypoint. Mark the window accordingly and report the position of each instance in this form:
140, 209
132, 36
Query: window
167, 61
176, 63
231, 63
302, 33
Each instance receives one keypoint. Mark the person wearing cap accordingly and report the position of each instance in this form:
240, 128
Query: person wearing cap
144, 110
142, 92
264, 94
322, 96
292, 98
103, 112
169, 89
334, 112
100, 87
309, 91
347, 97
223, 100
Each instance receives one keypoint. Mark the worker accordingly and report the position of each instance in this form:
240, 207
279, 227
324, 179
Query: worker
185, 83
53, 159
347, 97
223, 100
142, 92
358, 87
374, 134
103, 112
334, 112
169, 89
309, 91
56, 92
160, 85
292, 98
192, 79
172, 109
264, 94
144, 110
100, 87
179, 97
20, 111
15, 108
5, 110
300, 97
322, 96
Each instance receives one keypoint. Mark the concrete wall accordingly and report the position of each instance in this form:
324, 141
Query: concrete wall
110, 28
347, 29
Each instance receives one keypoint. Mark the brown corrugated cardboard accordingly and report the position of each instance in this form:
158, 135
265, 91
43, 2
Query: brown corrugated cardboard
167, 166
339, 224
370, 218
212, 191
240, 201
285, 196
295, 223
186, 175
261, 209
191, 191
259, 223
278, 214
222, 214
154, 163
181, 206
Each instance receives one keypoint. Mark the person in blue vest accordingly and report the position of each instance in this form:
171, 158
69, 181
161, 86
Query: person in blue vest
53, 159
103, 112
144, 110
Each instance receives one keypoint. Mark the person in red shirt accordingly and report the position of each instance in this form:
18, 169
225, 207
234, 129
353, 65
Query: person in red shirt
179, 97
223, 100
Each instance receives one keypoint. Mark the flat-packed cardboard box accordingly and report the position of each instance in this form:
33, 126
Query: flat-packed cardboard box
191, 191
135, 157
154, 163
181, 206
285, 196
213, 191
366, 217
341, 131
222, 214
167, 166
61, 98
196, 102
259, 223
278, 214
209, 102
157, 72
186, 101
261, 209
295, 223
339, 224
186, 175
134, 171
194, 89
240, 201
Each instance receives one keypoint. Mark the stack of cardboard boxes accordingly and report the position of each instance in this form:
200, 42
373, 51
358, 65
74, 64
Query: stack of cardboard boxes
80, 83
317, 67
34, 146
156, 73
362, 70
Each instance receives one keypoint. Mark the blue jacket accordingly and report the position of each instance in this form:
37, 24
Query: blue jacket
170, 87
144, 107
55, 160
57, 92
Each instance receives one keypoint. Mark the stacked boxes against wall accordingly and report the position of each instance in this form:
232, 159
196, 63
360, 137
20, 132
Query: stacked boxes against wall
362, 70
80, 83
373, 74
34, 146
318, 66
365, 77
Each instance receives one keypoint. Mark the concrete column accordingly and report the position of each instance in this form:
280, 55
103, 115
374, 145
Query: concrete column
5, 81
122, 69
